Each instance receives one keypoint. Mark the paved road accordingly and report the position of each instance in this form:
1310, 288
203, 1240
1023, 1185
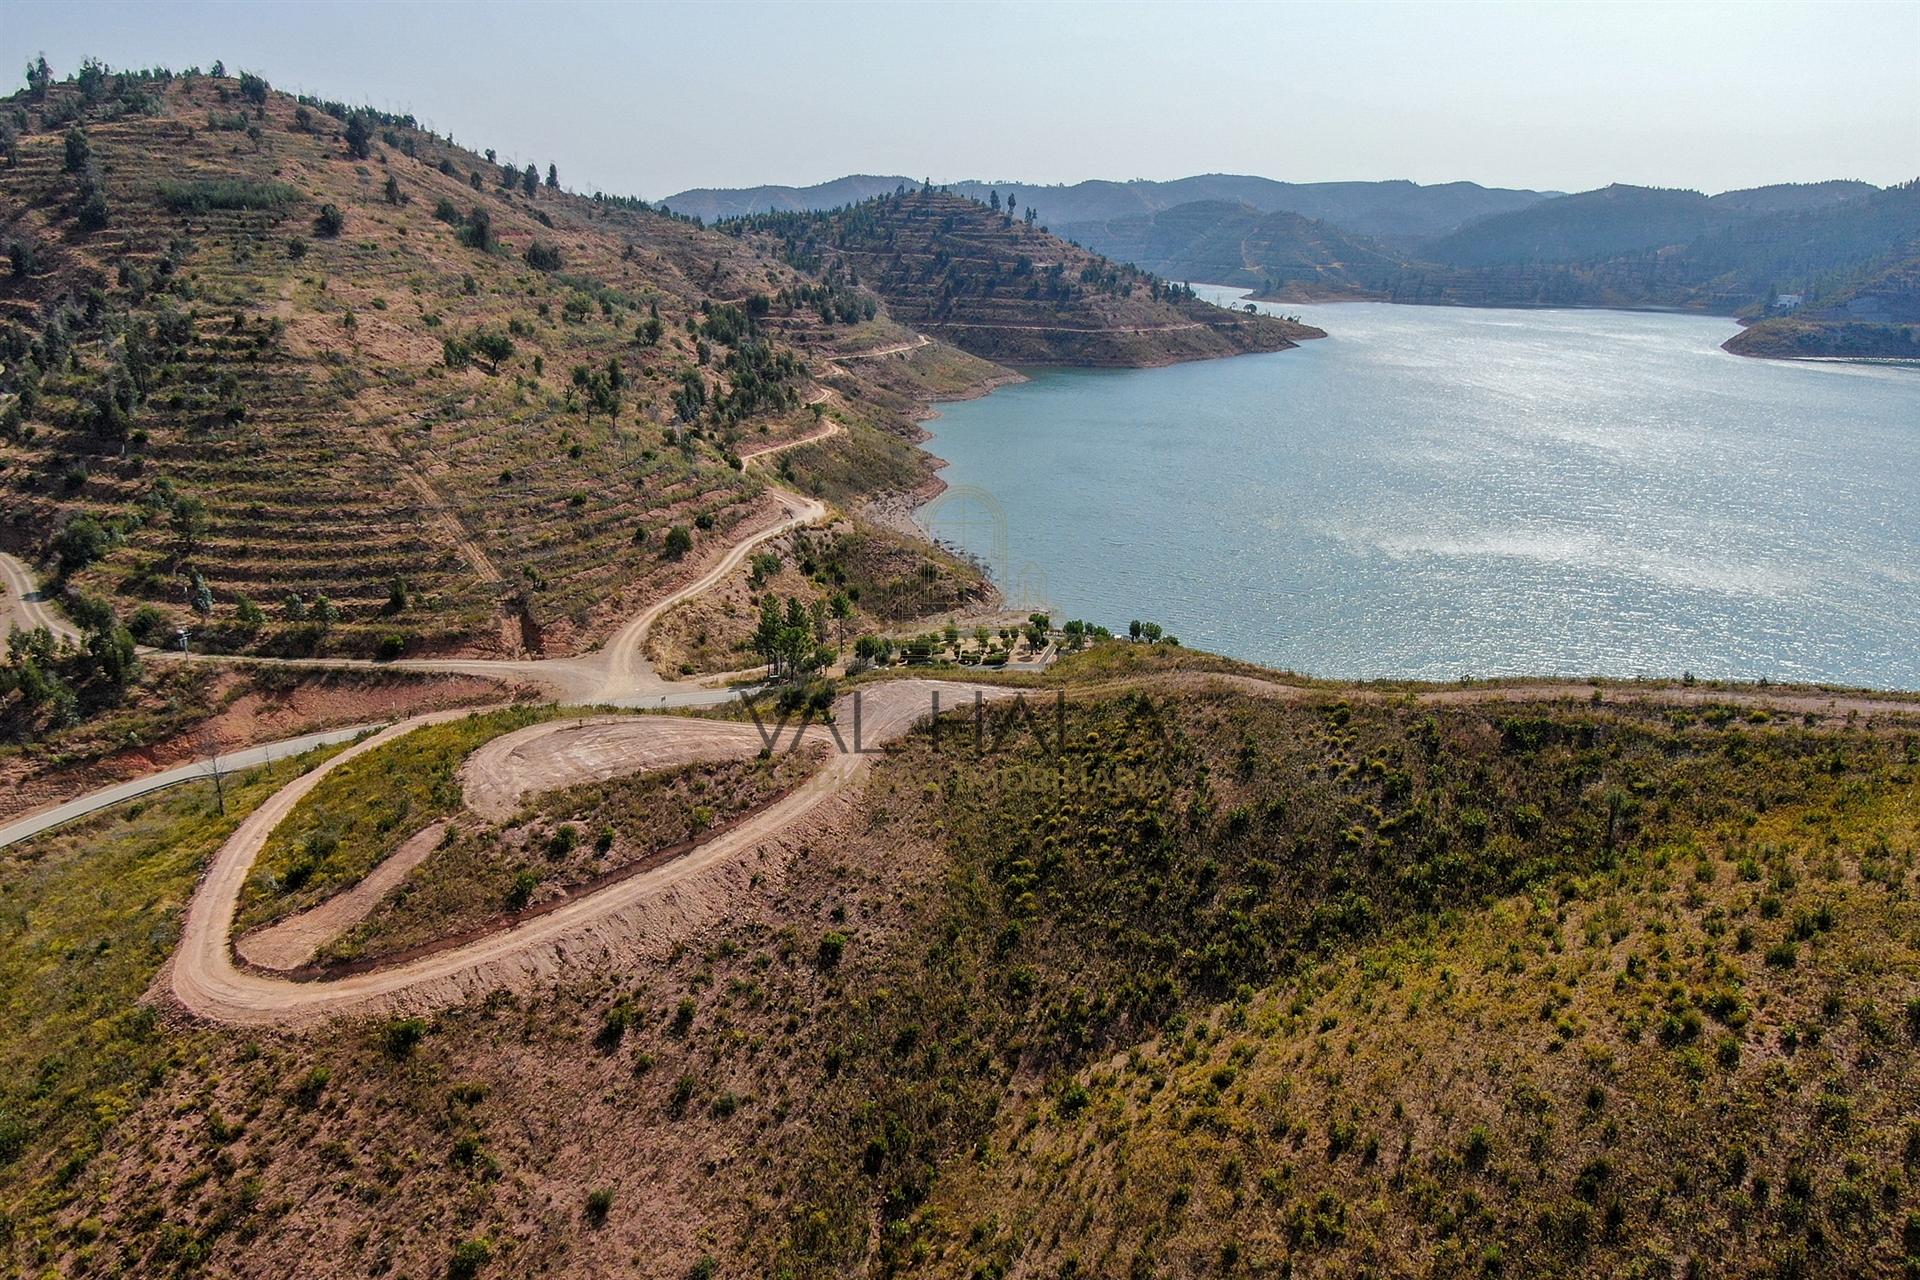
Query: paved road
46, 819
32, 824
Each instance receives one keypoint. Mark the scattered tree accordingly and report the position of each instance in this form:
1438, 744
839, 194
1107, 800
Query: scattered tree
359, 136
79, 150
39, 78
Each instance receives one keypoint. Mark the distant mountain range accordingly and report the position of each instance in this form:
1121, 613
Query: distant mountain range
1387, 210
1621, 219
1224, 242
1833, 256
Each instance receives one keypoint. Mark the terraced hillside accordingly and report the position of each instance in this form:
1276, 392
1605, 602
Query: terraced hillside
308, 379
999, 286
1400, 210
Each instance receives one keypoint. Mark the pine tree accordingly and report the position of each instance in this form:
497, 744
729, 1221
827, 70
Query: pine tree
79, 150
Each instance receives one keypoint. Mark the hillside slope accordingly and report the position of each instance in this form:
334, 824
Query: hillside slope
1578, 228
1236, 244
1001, 287
1233, 977
309, 380
1876, 318
714, 204
1630, 247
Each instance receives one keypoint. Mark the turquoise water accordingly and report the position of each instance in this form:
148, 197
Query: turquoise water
1436, 492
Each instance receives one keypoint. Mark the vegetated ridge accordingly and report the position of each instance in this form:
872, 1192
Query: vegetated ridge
1790, 254
988, 279
1202, 971
1825, 267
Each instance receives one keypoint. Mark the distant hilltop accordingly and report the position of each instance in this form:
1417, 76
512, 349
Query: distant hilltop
985, 278
1827, 268
1389, 209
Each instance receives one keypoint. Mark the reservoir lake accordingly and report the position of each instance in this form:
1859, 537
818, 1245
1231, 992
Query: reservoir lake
1436, 492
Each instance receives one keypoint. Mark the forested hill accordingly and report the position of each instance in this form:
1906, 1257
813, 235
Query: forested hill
994, 283
1877, 317
1620, 219
1231, 243
714, 204
1744, 253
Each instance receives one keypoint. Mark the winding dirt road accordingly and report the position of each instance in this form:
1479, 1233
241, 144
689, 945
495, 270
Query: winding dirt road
205, 978
622, 663
24, 605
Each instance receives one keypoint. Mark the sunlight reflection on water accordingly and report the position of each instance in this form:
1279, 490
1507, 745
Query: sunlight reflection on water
1434, 492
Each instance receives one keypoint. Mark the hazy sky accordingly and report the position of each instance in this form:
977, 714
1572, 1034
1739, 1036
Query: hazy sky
648, 99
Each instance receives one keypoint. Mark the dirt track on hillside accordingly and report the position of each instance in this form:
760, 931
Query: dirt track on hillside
23, 605
207, 981
502, 774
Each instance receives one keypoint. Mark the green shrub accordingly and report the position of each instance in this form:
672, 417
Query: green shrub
833, 945
308, 1089
201, 194
1479, 1147
613, 1026
403, 1035
468, 1257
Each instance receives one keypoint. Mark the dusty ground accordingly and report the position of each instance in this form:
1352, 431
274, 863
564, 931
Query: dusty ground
500, 777
713, 632
363, 1174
